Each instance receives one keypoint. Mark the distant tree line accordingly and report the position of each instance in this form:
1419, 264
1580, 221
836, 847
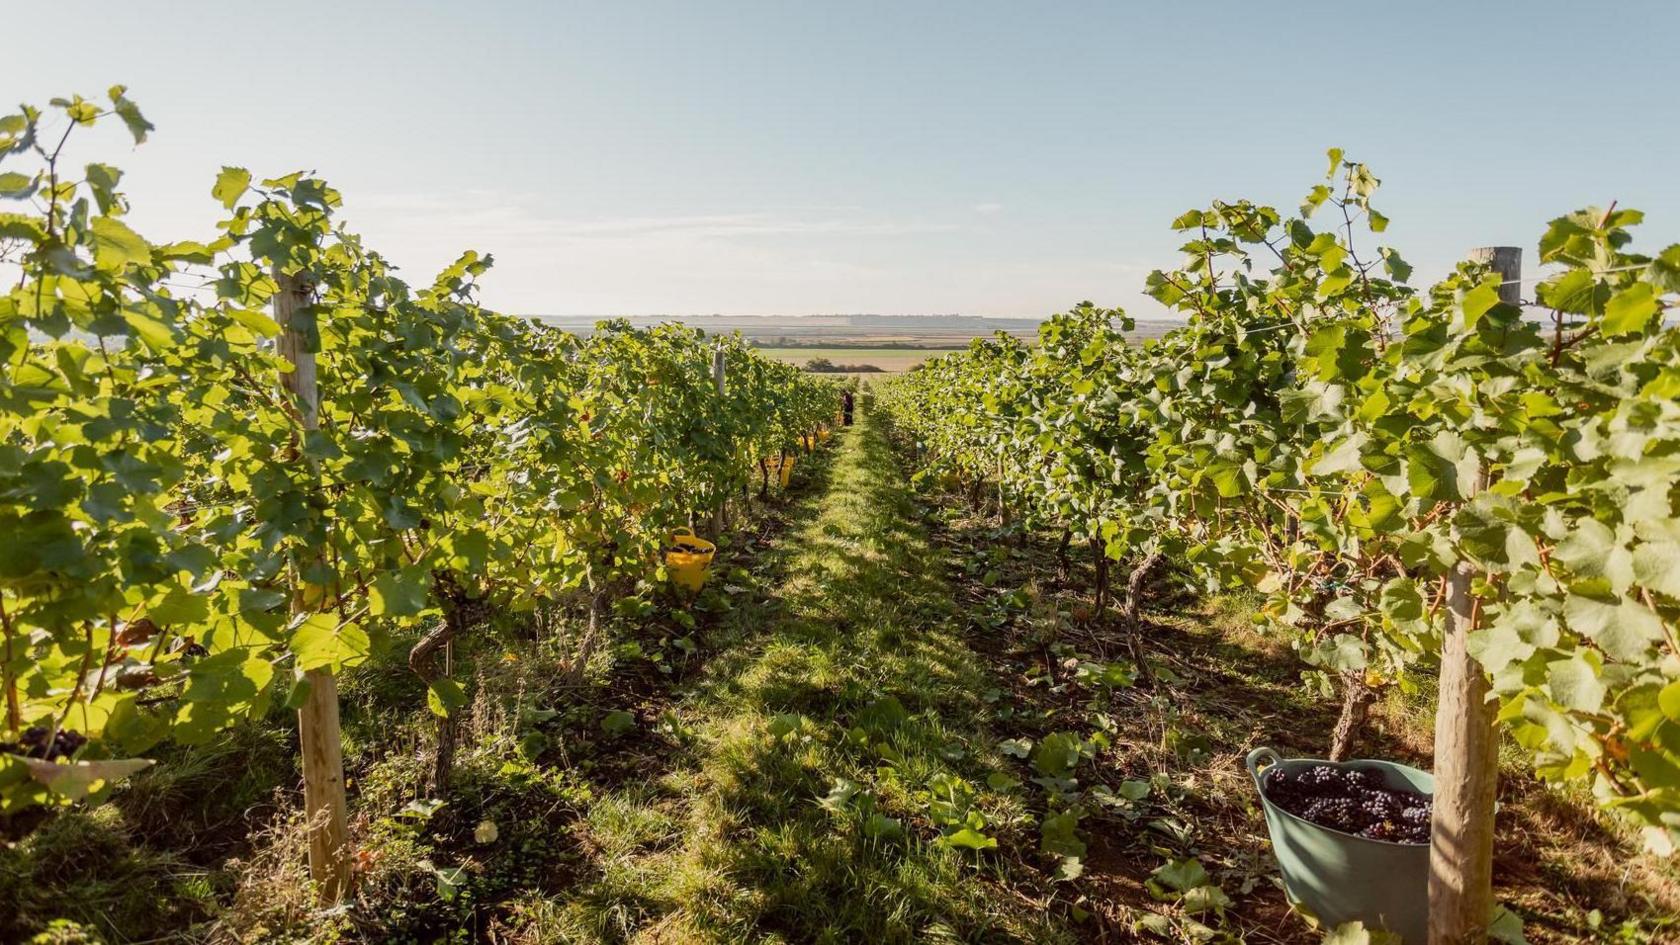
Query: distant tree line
825, 366
786, 341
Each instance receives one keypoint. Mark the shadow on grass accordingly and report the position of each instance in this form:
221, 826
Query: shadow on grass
1233, 687
801, 812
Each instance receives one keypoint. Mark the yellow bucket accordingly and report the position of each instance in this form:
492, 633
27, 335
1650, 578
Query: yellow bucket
787, 470
689, 559
824, 434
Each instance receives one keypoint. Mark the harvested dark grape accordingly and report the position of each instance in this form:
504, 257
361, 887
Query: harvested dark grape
1380, 805
1382, 830
1339, 812
1322, 781
33, 744
1352, 800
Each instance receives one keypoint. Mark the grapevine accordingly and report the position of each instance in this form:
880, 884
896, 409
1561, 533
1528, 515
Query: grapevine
1322, 432
181, 548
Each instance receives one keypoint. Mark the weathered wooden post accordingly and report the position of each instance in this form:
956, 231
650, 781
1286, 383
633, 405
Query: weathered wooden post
318, 731
1466, 741
723, 497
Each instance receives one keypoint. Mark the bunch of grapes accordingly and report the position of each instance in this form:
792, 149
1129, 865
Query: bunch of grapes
33, 744
1352, 800
1339, 813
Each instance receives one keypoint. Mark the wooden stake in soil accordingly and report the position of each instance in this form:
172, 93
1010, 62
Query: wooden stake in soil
723, 501
1466, 742
1099, 557
318, 731
1002, 496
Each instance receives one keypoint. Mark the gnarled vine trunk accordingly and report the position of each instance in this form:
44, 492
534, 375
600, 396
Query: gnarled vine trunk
1134, 589
586, 646
1002, 497
1129, 610
1356, 708
460, 611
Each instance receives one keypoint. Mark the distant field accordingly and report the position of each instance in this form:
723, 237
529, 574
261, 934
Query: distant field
786, 334
839, 339
892, 343
889, 360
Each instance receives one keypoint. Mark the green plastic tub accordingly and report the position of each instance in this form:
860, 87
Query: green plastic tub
1340, 877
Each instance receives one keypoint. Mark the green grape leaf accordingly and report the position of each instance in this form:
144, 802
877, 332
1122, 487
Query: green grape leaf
129, 112
968, 838
231, 184
445, 696
1058, 834
115, 246
16, 186
322, 641
1629, 311
1656, 565
1181, 875
402, 593
1624, 629
1355, 933
1574, 684
1669, 701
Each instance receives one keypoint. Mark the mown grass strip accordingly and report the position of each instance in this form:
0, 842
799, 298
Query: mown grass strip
837, 741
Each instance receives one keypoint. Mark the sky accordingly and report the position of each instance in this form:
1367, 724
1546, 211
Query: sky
646, 157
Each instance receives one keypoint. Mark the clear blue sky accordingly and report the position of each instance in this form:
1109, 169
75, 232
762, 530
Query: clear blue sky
902, 157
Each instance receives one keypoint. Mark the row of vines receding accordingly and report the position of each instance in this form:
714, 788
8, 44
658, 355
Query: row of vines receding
1323, 433
184, 543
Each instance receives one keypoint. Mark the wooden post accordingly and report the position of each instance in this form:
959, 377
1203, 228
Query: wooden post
1002, 499
1466, 742
318, 731
723, 500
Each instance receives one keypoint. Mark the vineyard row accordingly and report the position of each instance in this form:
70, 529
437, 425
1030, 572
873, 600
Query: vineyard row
1392, 469
233, 467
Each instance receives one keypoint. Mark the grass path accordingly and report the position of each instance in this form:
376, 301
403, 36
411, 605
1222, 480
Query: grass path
836, 735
